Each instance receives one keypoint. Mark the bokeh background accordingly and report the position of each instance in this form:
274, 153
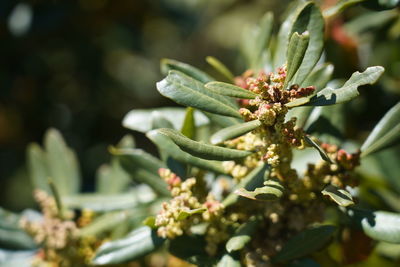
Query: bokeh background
80, 66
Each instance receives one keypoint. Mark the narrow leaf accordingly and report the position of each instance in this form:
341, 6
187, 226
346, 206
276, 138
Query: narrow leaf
222, 121
104, 223
348, 91
111, 178
295, 54
220, 67
184, 91
137, 244
340, 196
189, 127
37, 165
272, 190
202, 150
385, 133
234, 131
339, 7
99, 202
186, 213
323, 154
228, 89
305, 243
242, 235
159, 121
170, 64
165, 144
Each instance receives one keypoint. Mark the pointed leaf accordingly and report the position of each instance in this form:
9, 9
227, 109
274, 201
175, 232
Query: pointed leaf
228, 89
186, 213
137, 244
141, 119
234, 131
221, 68
165, 144
104, 223
305, 243
202, 150
189, 127
379, 225
184, 91
170, 64
322, 152
348, 91
111, 178
242, 235
340, 196
272, 190
385, 133
99, 202
296, 50
37, 165
310, 19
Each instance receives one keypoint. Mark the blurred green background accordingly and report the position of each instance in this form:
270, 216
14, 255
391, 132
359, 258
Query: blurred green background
80, 66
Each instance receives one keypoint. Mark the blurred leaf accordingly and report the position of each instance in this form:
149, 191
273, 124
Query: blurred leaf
165, 144
111, 179
272, 190
37, 166
62, 163
159, 121
186, 213
222, 121
309, 19
322, 153
296, 50
250, 182
189, 127
385, 133
105, 223
202, 150
340, 6
306, 262
100, 203
228, 89
127, 141
186, 91
379, 225
234, 131
319, 77
228, 261
141, 119
305, 243
191, 249
381, 4
220, 67
340, 196
17, 258
169, 64
137, 244
242, 235
348, 91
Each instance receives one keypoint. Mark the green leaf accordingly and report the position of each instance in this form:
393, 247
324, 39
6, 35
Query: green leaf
250, 182
189, 92
348, 91
385, 133
379, 225
340, 196
186, 213
105, 223
141, 119
323, 154
296, 50
189, 127
99, 202
111, 179
309, 19
222, 121
137, 244
192, 249
256, 41
37, 166
202, 150
228, 89
221, 68
381, 4
165, 144
339, 7
272, 190
169, 64
234, 131
229, 261
242, 235
159, 121
319, 77
305, 243
62, 163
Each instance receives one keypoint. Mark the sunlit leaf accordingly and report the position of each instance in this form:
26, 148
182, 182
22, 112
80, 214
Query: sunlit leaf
220, 67
242, 235
228, 89
272, 190
340, 196
202, 150
228, 261
170, 64
189, 126
99, 202
385, 133
234, 131
104, 223
189, 92
305, 243
37, 165
314, 144
186, 213
339, 7
137, 244
296, 50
